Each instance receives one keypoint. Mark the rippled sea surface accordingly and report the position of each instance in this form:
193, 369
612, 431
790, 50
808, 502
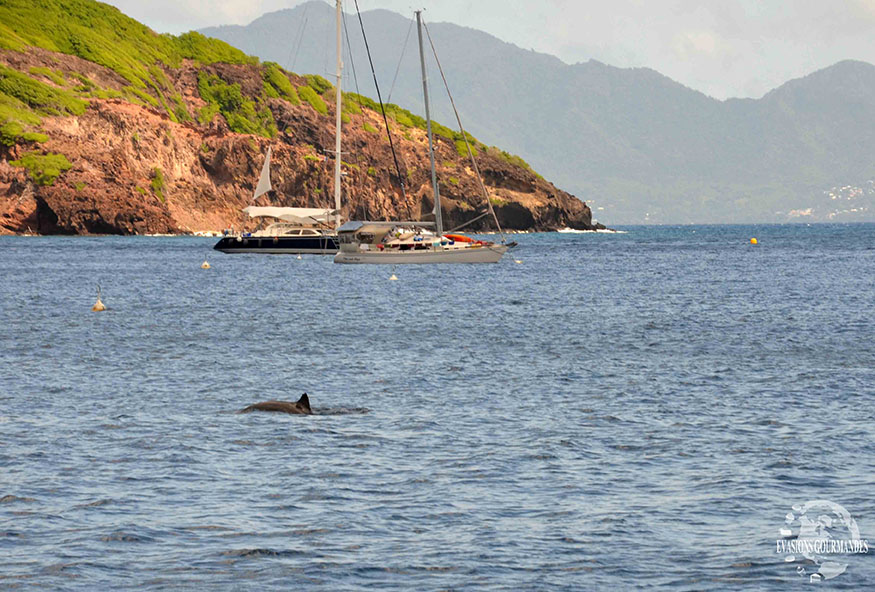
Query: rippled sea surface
614, 411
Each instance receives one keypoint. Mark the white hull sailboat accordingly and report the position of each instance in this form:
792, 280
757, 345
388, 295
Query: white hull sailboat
396, 243
392, 243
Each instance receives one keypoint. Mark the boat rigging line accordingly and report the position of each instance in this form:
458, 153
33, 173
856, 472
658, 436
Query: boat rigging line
291, 62
349, 53
297, 46
382, 107
400, 59
355, 80
469, 222
464, 136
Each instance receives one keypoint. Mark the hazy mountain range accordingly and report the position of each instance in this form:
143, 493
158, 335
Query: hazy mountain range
637, 146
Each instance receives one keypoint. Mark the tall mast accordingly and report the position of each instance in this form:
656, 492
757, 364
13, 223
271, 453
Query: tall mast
439, 227
338, 107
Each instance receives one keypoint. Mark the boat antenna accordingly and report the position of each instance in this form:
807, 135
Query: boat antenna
438, 222
382, 107
465, 137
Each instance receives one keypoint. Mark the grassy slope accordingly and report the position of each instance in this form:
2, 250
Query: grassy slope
101, 34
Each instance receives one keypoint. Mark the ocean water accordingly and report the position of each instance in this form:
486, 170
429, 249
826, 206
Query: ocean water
637, 410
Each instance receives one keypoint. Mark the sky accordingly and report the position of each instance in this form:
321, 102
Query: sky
724, 48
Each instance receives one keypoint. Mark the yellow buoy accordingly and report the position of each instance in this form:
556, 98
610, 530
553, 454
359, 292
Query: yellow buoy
517, 261
753, 241
299, 257
205, 265
393, 277
98, 306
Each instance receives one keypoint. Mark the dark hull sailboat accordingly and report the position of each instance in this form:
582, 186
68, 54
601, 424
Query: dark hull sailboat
298, 230
321, 244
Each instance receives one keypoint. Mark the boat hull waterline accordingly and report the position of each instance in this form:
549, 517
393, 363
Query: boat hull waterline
491, 254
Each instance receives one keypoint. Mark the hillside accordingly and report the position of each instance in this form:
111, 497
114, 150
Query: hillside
631, 141
108, 127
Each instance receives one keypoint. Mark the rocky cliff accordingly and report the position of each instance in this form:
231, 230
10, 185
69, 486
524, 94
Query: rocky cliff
110, 158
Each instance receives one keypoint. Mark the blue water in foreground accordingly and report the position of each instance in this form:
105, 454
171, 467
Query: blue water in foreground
615, 411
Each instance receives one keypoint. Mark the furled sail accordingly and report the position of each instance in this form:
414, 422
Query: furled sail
264, 180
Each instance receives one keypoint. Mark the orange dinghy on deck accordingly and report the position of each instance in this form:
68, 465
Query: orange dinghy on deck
461, 238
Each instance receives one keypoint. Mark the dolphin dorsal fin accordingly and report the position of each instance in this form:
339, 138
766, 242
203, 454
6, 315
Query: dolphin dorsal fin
304, 401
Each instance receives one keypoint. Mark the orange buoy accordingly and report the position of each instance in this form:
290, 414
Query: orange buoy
98, 306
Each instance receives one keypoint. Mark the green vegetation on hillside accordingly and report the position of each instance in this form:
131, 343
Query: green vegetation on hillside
277, 84
239, 111
462, 148
206, 50
101, 34
55, 76
512, 159
43, 168
23, 102
167, 95
309, 95
157, 183
40, 97
317, 83
350, 106
12, 132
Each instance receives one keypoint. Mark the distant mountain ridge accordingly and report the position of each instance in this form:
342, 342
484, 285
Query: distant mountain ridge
631, 141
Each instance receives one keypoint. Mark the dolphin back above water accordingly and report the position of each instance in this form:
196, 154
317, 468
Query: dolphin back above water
300, 407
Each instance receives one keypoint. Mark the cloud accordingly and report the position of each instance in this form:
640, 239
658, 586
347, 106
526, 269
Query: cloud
692, 43
173, 16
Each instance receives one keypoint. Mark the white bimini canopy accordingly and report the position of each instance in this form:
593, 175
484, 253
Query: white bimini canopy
294, 215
